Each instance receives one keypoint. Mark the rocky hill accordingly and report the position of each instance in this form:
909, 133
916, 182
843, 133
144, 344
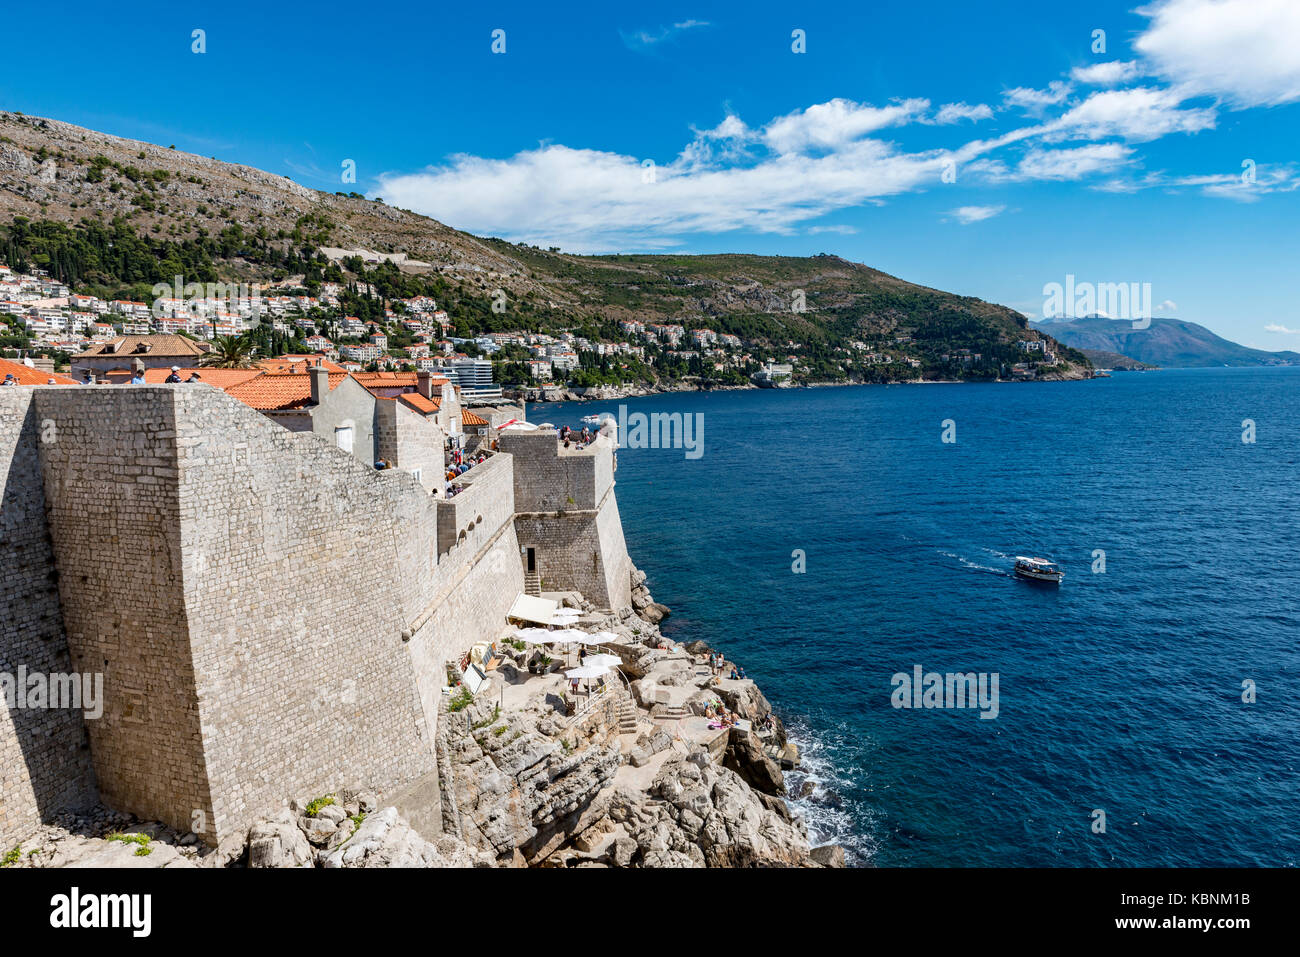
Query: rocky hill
55, 172
1171, 343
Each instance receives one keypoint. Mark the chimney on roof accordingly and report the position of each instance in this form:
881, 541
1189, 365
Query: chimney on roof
320, 384
424, 383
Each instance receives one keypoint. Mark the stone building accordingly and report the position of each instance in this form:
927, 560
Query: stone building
150, 352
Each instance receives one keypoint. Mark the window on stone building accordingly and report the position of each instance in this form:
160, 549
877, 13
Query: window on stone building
343, 438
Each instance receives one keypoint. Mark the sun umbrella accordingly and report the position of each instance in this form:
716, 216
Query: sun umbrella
587, 671
596, 661
566, 635
535, 636
603, 637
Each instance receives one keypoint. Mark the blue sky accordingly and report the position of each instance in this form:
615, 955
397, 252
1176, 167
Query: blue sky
1122, 165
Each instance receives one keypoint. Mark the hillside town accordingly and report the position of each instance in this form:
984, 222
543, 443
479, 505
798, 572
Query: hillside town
45, 322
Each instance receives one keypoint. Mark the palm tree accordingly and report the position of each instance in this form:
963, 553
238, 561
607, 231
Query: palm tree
229, 352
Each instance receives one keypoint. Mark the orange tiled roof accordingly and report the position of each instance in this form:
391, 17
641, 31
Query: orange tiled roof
389, 379
470, 418
420, 403
26, 375
160, 346
279, 391
218, 378
298, 364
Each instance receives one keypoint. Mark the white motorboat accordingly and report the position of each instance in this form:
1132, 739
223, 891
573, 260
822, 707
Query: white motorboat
1038, 569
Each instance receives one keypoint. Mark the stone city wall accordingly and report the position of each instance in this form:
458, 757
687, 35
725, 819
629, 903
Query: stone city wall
44, 752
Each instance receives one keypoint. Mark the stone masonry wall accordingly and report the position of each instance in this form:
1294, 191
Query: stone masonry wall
44, 752
271, 616
467, 520
303, 569
548, 478
581, 550
114, 515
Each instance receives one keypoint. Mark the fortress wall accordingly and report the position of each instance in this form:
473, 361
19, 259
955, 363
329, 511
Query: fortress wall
115, 520
479, 575
303, 571
467, 521
582, 551
567, 512
271, 616
473, 610
548, 480
44, 756
616, 564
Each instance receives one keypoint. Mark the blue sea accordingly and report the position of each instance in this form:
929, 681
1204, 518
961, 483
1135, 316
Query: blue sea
1120, 691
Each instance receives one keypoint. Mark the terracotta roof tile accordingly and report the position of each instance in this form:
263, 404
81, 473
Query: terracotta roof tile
279, 391
420, 403
298, 364
218, 378
26, 375
160, 346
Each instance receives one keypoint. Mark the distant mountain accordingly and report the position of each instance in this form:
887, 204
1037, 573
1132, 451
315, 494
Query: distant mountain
1170, 343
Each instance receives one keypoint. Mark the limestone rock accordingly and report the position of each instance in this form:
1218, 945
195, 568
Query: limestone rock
828, 855
278, 843
745, 756
655, 612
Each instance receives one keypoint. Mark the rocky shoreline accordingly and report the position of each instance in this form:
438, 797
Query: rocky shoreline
543, 395
641, 775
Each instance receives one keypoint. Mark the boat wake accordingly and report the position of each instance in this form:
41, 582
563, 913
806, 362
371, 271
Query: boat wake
975, 565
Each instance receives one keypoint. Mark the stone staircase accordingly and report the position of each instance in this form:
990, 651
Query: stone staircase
533, 584
671, 712
627, 715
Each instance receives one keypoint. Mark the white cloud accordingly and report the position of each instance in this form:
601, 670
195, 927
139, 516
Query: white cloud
956, 112
1245, 51
598, 201
1267, 179
974, 214
1139, 114
1035, 101
1106, 74
1071, 164
1167, 306
644, 38
830, 125
1275, 327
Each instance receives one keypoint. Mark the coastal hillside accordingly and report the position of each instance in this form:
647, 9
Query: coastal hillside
1104, 359
1171, 343
69, 195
